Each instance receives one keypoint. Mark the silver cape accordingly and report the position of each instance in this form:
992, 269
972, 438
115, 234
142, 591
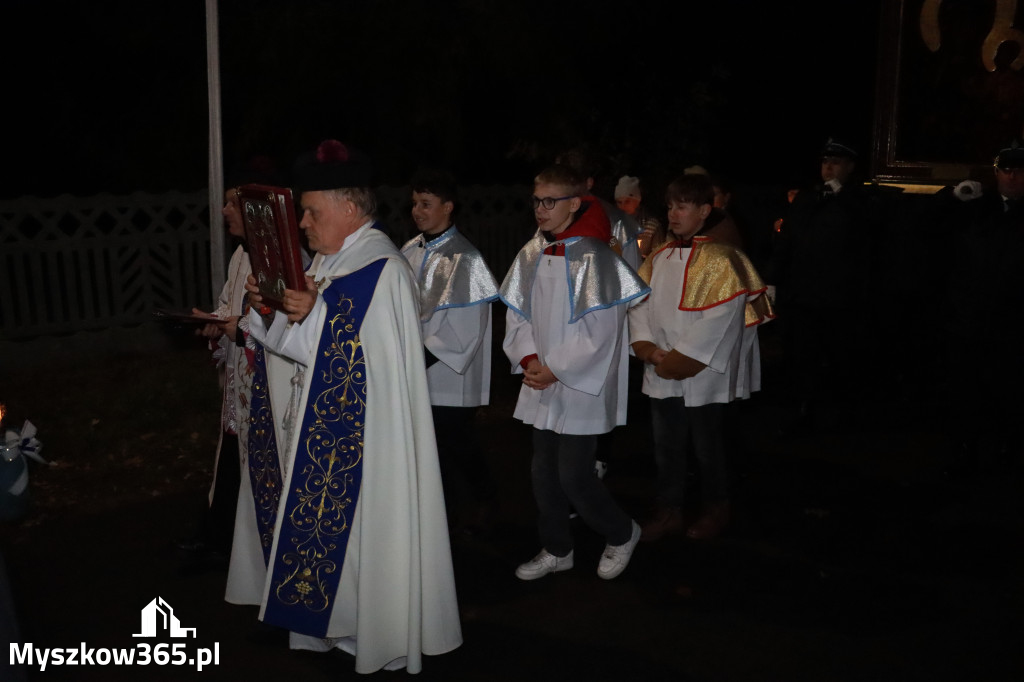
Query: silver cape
453, 274
597, 277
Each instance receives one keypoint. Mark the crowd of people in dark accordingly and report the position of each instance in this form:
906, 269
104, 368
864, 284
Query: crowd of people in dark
350, 442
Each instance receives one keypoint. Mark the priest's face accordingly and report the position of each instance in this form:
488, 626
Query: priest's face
328, 219
431, 215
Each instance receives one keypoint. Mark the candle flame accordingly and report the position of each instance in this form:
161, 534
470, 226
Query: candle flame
3, 408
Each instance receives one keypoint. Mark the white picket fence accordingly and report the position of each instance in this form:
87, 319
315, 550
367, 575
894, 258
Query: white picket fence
71, 264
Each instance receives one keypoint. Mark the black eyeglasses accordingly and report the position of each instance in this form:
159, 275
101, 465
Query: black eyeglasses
548, 202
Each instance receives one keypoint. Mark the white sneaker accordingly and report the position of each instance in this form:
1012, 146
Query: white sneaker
616, 557
542, 564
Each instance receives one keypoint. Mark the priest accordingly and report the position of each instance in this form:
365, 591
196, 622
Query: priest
359, 558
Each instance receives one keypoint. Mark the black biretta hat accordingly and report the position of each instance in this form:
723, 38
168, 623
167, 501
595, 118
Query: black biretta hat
1011, 156
836, 147
331, 166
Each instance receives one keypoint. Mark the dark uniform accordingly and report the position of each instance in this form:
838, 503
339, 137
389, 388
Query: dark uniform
984, 324
821, 267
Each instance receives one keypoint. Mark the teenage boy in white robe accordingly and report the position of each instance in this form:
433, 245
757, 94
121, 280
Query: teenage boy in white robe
567, 294
456, 289
696, 334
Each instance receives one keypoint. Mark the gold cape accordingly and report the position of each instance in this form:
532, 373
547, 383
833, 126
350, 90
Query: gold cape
716, 273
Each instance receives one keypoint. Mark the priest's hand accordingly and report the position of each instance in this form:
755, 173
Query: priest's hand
255, 298
677, 366
538, 376
298, 304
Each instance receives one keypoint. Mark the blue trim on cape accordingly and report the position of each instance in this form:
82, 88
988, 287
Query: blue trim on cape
434, 245
574, 294
574, 317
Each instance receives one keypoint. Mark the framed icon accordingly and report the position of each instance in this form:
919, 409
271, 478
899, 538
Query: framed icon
272, 234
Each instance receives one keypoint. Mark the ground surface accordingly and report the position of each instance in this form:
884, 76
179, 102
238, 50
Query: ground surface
855, 553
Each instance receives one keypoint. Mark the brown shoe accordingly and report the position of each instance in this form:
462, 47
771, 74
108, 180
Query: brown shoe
667, 521
711, 522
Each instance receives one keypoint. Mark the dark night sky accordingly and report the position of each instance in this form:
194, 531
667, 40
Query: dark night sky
111, 96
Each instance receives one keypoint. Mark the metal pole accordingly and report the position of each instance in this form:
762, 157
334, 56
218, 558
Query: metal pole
216, 160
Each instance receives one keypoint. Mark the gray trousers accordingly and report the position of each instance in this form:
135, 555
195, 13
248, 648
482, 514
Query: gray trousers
563, 476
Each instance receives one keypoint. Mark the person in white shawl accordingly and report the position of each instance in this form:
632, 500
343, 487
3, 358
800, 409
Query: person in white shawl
567, 294
360, 558
456, 290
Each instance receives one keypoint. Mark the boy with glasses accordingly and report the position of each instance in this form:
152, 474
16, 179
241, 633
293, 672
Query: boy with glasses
567, 294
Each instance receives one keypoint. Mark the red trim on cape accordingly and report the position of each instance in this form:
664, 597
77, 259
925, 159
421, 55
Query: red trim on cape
686, 274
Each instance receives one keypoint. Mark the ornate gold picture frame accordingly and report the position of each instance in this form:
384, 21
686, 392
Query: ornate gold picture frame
950, 88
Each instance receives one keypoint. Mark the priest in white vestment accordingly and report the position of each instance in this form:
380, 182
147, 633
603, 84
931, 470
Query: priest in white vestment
360, 558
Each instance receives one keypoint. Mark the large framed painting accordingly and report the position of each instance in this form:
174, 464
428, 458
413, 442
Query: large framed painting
950, 88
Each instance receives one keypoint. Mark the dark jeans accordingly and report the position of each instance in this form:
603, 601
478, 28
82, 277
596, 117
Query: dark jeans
677, 428
464, 471
603, 452
563, 475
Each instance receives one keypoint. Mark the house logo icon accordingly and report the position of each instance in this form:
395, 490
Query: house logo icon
158, 618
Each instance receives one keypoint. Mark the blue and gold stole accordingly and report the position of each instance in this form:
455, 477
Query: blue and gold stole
327, 472
264, 463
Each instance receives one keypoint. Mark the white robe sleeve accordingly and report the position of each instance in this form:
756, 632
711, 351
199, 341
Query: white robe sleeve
453, 335
296, 341
584, 358
639, 322
708, 338
518, 342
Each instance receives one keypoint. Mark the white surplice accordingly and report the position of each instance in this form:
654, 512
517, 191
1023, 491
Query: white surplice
715, 337
457, 332
587, 356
